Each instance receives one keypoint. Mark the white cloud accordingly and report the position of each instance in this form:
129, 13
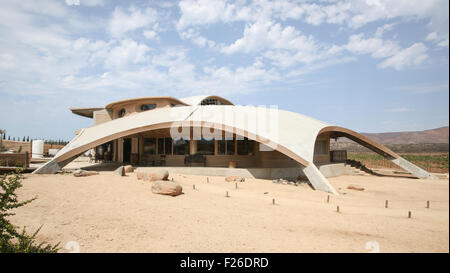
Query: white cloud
122, 21
150, 34
267, 35
413, 55
92, 3
200, 12
128, 52
196, 38
381, 30
377, 47
73, 2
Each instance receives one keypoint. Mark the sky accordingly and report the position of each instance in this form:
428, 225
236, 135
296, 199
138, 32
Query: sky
371, 66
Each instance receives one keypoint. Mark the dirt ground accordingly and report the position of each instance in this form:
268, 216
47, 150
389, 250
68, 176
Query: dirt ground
109, 213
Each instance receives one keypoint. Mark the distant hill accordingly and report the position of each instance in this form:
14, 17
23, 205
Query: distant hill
439, 135
435, 140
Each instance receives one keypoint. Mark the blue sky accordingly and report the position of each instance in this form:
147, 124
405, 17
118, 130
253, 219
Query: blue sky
372, 66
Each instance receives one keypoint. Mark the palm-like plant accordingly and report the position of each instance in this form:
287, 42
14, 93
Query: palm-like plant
2, 133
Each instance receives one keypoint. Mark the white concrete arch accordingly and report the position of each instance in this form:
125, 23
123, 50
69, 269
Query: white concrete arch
290, 133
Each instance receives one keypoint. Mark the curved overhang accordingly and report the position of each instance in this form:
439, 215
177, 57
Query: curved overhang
290, 133
134, 100
85, 112
336, 131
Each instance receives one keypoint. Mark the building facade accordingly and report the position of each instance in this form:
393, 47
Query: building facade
210, 131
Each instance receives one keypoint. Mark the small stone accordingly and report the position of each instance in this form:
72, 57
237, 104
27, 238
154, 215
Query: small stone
355, 187
80, 173
152, 175
128, 169
234, 179
120, 171
166, 188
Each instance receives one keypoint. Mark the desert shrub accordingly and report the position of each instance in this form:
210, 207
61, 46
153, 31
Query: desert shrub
12, 240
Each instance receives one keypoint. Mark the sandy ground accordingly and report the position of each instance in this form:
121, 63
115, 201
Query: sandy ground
109, 213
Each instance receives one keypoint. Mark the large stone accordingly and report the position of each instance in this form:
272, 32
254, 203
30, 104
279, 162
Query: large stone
128, 169
166, 188
152, 175
235, 179
120, 171
80, 173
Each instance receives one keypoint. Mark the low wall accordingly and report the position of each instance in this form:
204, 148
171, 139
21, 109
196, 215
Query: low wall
15, 160
328, 170
26, 146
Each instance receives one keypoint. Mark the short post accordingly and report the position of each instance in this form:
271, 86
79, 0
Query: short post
409, 214
273, 201
235, 185
428, 204
337, 209
328, 199
172, 179
386, 205
207, 179
227, 194
193, 186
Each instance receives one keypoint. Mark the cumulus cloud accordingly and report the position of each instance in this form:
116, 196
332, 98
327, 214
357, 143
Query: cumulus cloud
73, 2
413, 55
268, 35
123, 21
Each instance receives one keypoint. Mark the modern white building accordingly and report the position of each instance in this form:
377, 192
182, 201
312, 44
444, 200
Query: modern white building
209, 131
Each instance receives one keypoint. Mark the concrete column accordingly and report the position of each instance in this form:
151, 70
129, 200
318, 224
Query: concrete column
413, 169
120, 150
317, 179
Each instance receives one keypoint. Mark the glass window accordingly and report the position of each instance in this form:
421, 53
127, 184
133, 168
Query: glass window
209, 102
221, 147
230, 146
145, 107
205, 147
160, 146
150, 146
121, 112
321, 147
180, 146
168, 145
226, 147
245, 147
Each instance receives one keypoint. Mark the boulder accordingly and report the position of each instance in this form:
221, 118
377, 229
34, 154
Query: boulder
152, 175
80, 173
355, 187
120, 171
166, 188
128, 169
235, 179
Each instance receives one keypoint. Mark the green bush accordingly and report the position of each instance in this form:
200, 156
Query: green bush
11, 239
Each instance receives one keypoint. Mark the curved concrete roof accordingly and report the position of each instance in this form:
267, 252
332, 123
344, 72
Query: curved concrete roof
196, 100
290, 133
126, 101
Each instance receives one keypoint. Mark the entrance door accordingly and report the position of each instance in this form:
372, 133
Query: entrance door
127, 150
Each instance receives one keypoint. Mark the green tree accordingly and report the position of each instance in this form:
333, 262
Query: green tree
11, 239
2, 136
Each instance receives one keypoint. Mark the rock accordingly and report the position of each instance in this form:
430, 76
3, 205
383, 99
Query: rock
120, 171
235, 179
355, 187
152, 175
80, 173
166, 188
128, 169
